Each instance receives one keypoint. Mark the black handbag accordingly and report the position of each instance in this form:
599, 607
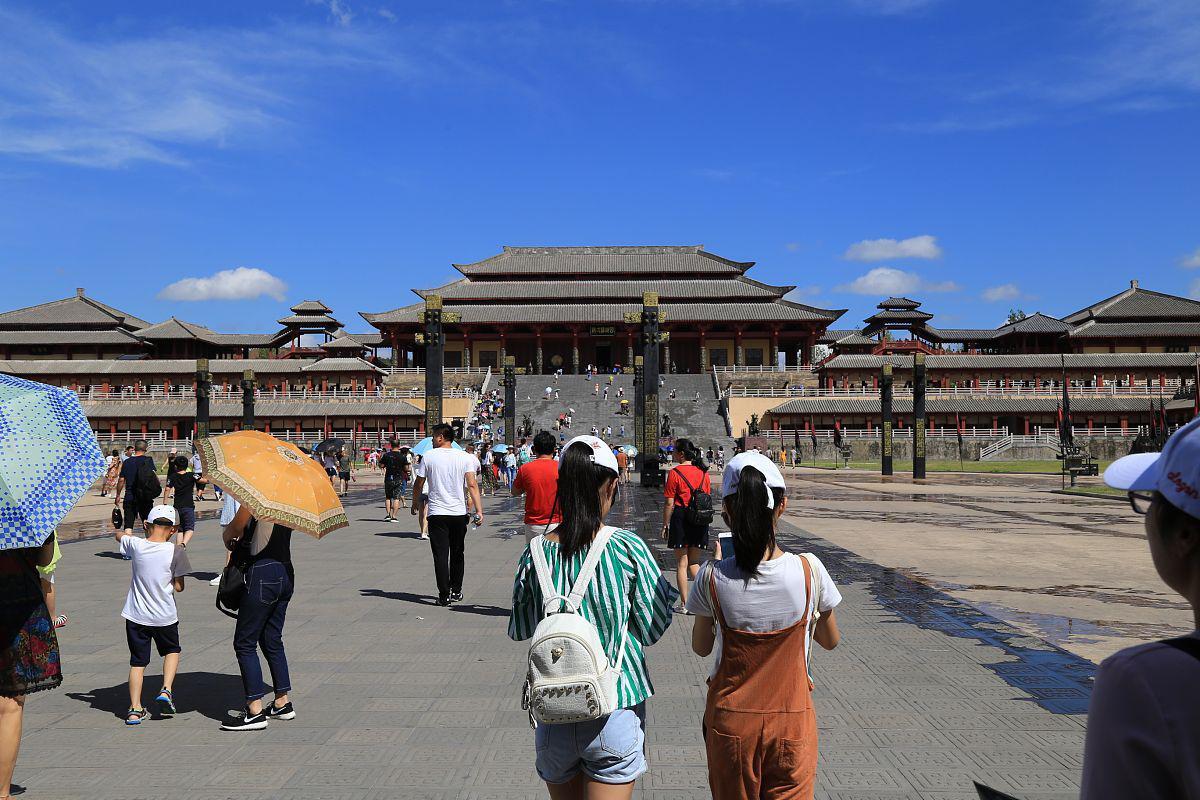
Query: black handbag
232, 588
118, 519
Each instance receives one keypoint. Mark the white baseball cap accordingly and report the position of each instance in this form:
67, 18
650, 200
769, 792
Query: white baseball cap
160, 513
1174, 473
602, 454
733, 474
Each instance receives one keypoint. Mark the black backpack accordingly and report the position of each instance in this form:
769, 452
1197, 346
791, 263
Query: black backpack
231, 589
699, 509
146, 486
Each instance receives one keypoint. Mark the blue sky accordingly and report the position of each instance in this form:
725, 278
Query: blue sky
1020, 154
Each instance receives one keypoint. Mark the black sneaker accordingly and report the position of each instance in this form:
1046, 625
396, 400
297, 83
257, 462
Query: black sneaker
456, 597
245, 721
284, 711
443, 601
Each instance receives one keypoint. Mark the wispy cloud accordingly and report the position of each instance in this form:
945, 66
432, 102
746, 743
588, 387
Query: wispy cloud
800, 292
1122, 57
242, 283
168, 95
1005, 291
888, 249
889, 280
1191, 261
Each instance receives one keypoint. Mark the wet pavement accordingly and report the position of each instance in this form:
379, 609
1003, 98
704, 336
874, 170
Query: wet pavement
1071, 570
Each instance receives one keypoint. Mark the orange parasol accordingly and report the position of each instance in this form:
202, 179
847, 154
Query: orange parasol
274, 479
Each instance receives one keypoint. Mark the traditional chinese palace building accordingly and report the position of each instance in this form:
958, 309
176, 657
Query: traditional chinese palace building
564, 307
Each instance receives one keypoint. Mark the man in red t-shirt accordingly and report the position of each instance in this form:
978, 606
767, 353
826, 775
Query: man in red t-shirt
538, 481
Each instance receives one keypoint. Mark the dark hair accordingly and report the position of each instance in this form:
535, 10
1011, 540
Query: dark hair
180, 463
444, 431
691, 453
543, 443
751, 521
580, 480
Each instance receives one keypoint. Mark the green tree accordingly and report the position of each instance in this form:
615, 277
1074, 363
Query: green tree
1015, 315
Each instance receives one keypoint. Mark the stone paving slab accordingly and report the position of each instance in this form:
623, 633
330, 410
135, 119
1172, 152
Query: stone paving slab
399, 698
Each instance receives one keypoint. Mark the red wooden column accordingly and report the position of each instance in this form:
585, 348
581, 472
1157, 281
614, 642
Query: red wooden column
1027, 426
175, 430
266, 427
298, 434
112, 428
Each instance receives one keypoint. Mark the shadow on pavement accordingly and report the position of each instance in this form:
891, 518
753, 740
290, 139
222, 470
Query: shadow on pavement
109, 554
486, 611
408, 597
400, 535
211, 694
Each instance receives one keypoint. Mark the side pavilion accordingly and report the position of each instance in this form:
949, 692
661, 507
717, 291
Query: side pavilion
564, 307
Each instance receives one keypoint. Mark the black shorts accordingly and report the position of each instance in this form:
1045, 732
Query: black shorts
393, 489
187, 518
684, 534
166, 638
345, 476
133, 509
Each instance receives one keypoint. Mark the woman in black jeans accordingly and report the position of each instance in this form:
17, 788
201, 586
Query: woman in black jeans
269, 583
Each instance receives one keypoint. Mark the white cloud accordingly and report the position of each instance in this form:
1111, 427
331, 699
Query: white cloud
388, 14
792, 247
339, 11
172, 94
1118, 57
243, 283
1192, 261
886, 249
1005, 291
888, 280
800, 292
1194, 289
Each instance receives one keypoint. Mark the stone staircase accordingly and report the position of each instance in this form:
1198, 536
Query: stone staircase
698, 420
576, 391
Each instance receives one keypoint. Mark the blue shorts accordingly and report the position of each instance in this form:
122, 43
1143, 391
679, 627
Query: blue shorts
607, 750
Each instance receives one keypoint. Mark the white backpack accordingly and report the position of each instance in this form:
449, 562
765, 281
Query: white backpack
570, 678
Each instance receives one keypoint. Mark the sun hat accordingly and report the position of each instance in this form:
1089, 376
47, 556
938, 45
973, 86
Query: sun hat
1174, 473
601, 453
733, 474
161, 514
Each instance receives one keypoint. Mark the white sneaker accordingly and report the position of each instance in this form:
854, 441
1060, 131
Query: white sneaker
215, 581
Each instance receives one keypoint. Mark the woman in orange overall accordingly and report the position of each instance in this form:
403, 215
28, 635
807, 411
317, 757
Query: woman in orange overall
760, 729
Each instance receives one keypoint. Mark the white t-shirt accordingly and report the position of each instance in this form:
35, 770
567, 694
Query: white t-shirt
445, 472
776, 599
1143, 732
151, 598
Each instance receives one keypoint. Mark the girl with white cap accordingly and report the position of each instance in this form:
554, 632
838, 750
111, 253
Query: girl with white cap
757, 607
627, 600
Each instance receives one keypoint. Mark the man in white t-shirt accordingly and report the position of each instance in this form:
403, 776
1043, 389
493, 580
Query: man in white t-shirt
450, 476
150, 615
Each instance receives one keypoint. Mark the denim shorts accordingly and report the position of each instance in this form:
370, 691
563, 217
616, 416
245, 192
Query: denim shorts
607, 750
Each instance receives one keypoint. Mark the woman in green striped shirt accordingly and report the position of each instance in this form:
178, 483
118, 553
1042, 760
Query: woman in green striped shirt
603, 757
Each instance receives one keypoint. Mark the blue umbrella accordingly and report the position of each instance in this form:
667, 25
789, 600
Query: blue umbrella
500, 448
425, 445
49, 458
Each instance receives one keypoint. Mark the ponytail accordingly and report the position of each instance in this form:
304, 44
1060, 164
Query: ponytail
691, 453
580, 481
752, 520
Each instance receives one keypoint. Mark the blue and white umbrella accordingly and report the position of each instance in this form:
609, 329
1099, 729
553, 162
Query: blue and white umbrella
49, 458
425, 445
500, 448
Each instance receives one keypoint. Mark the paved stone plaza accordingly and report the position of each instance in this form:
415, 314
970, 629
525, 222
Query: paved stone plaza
398, 698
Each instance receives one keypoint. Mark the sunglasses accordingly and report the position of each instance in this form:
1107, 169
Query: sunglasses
1141, 501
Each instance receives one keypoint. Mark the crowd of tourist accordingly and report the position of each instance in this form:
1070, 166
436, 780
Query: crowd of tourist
583, 587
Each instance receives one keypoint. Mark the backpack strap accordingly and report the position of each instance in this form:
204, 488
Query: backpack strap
541, 568
588, 570
814, 593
